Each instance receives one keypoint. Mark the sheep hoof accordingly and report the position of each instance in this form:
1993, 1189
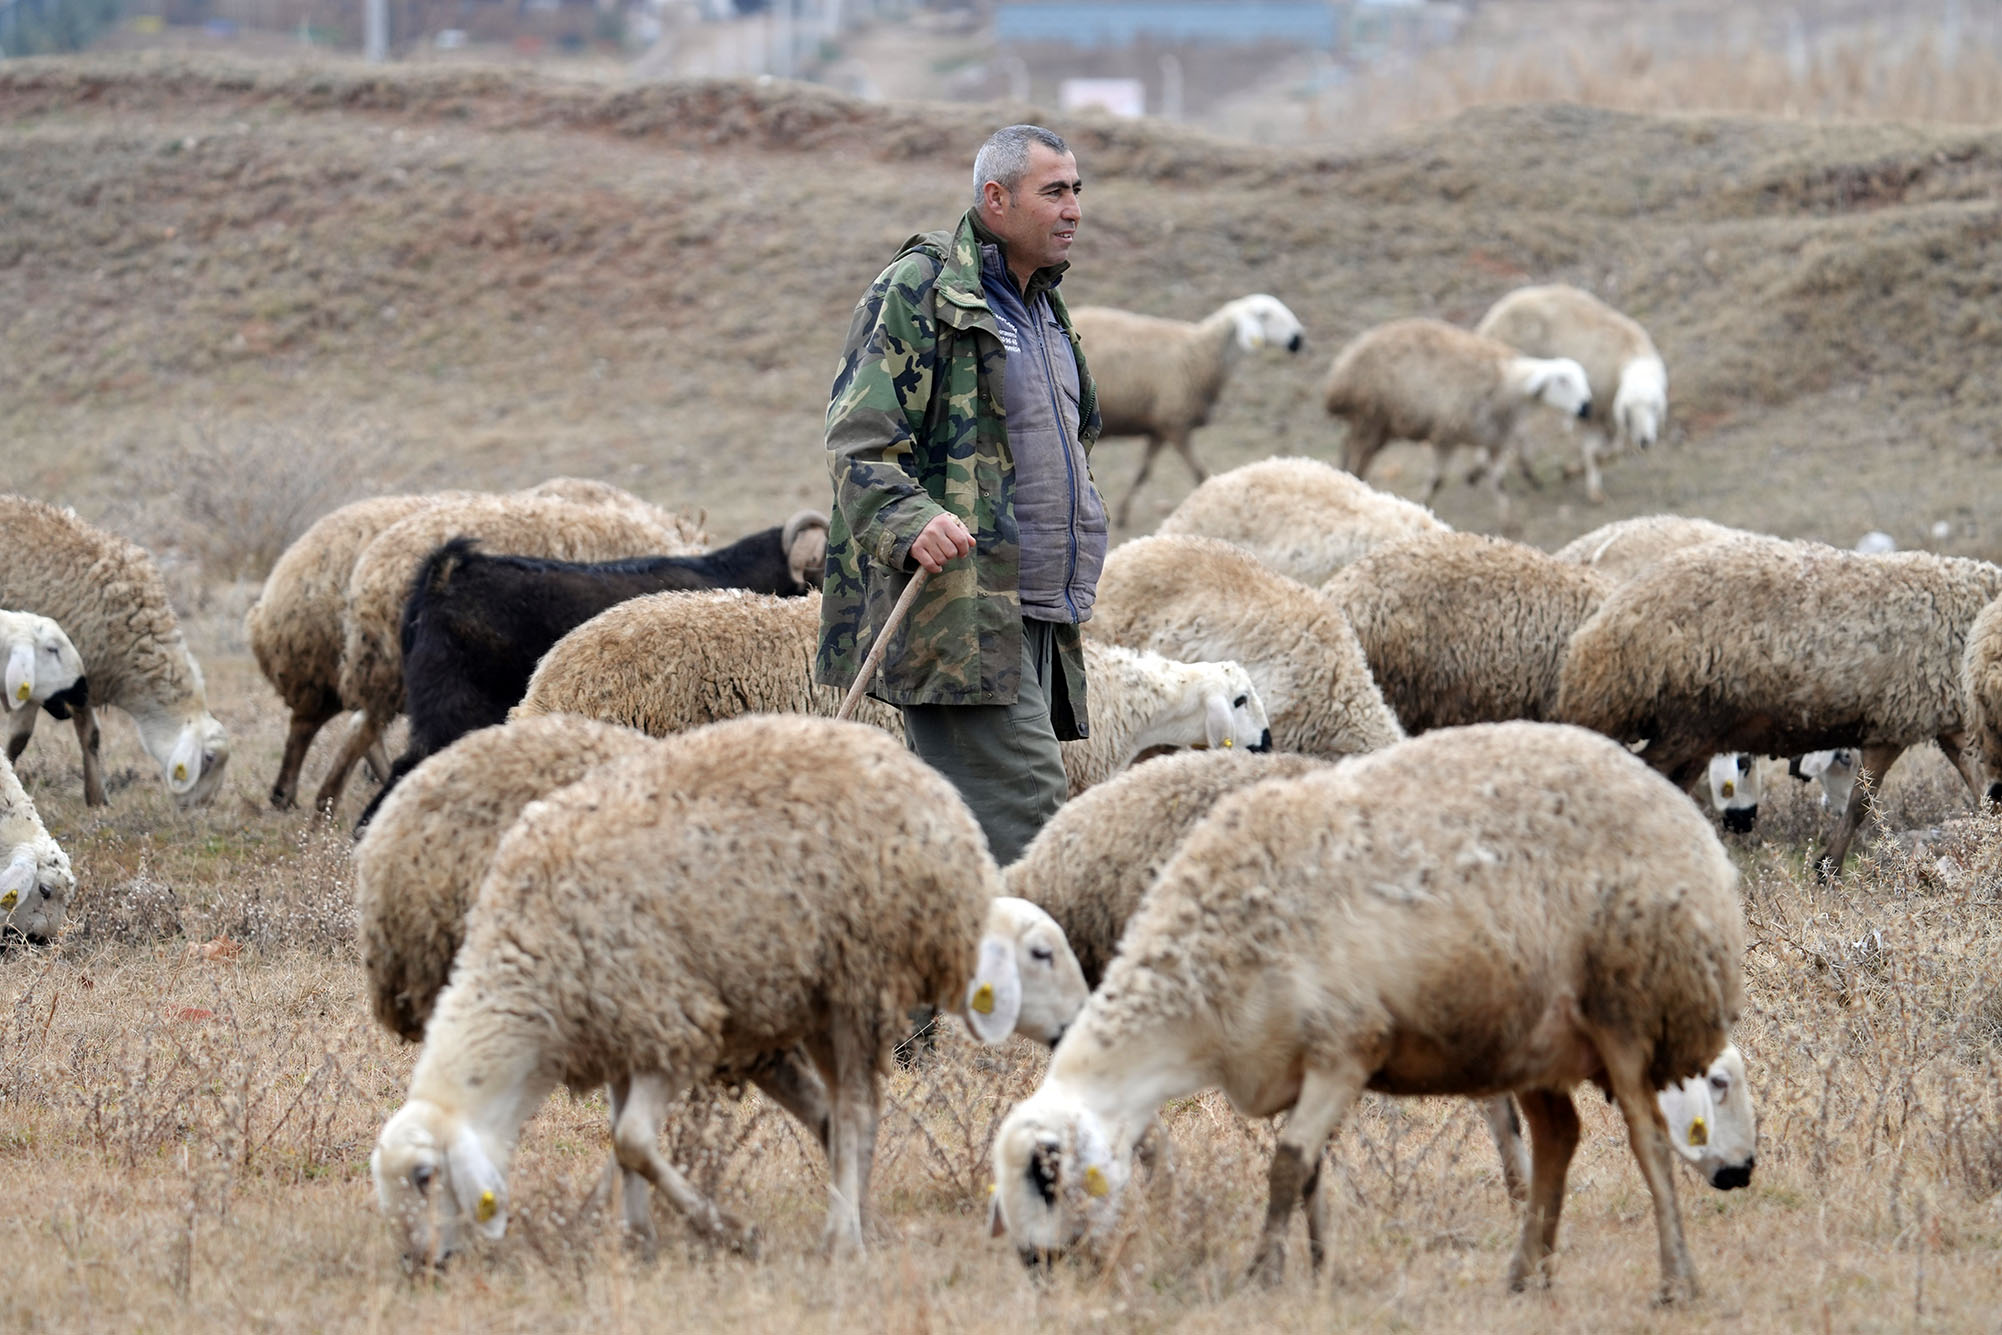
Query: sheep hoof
281, 800
1675, 1292
1269, 1269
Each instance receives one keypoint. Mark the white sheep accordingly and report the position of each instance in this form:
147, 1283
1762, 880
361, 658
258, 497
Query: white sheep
1628, 379
1624, 548
1781, 648
419, 865
39, 667
1304, 518
1426, 380
1735, 789
1370, 926
35, 878
667, 662
1463, 628
731, 894
1205, 599
109, 598
371, 664
1159, 378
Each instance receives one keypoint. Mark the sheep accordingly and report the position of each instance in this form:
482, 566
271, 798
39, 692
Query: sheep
1303, 518
1836, 771
1202, 598
1461, 628
1425, 380
1779, 648
671, 661
1160, 378
35, 878
1625, 547
733, 893
109, 598
1368, 926
294, 627
39, 667
371, 676
1735, 790
474, 624
1628, 380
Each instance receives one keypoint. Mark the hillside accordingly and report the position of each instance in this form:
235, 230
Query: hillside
494, 276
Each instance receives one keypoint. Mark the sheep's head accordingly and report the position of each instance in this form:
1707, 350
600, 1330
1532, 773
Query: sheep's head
41, 666
1057, 1181
1234, 716
1028, 980
1735, 790
1559, 382
195, 763
1837, 771
1712, 1123
1640, 407
35, 890
804, 539
1263, 321
434, 1180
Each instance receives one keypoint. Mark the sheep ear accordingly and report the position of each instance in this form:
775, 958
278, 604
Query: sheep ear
1686, 1109
20, 676
481, 1191
16, 879
1217, 721
184, 765
994, 997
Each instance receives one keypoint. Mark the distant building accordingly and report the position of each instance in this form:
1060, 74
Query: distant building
1100, 24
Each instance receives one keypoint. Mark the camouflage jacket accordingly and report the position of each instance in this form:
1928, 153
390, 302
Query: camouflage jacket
915, 427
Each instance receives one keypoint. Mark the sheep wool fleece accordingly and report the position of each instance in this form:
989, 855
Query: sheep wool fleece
915, 427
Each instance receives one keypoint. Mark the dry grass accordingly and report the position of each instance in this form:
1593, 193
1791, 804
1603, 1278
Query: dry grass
186, 1138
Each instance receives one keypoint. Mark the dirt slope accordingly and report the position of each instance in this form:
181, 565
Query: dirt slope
515, 276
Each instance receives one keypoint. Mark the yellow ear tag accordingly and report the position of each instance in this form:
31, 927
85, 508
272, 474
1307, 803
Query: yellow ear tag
993, 1188
1095, 1183
9, 900
180, 774
1699, 1134
1226, 741
1730, 788
983, 999
23, 691
488, 1208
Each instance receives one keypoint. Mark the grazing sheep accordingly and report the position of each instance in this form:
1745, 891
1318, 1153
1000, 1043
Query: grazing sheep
1836, 771
109, 598
294, 627
1160, 378
475, 624
1370, 926
1460, 628
1303, 518
1981, 684
1622, 549
672, 661
1202, 598
371, 654
1628, 380
35, 878
39, 667
1780, 648
734, 893
1425, 380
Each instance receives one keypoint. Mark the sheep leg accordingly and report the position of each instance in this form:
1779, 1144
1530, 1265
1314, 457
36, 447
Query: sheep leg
367, 731
1325, 1098
1441, 457
1139, 479
377, 760
1961, 757
1648, 1136
790, 1081
635, 1200
1506, 1128
1366, 440
1553, 1131
84, 718
636, 1142
1871, 767
306, 725
19, 729
846, 1060
1188, 453
1588, 450
1504, 510
1314, 1196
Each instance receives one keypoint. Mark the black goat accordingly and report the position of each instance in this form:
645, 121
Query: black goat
475, 625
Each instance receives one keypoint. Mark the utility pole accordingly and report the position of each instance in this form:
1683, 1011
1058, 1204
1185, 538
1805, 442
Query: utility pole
375, 40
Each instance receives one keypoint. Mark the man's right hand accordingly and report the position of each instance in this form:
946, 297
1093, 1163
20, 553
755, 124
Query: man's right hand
942, 540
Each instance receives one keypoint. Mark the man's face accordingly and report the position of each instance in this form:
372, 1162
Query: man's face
1039, 220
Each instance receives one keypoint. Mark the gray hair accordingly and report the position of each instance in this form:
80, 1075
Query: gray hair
1005, 156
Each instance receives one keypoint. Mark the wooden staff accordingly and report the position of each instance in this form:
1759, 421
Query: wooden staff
869, 664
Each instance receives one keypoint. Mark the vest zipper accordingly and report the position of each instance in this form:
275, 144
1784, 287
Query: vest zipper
1070, 467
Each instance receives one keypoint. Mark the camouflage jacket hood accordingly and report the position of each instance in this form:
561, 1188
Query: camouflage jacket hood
915, 428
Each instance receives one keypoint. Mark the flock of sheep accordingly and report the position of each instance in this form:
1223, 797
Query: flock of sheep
1428, 830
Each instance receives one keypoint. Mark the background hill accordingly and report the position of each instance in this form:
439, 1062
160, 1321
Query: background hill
431, 276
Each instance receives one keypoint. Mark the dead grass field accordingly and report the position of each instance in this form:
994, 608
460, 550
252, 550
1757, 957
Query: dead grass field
289, 287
